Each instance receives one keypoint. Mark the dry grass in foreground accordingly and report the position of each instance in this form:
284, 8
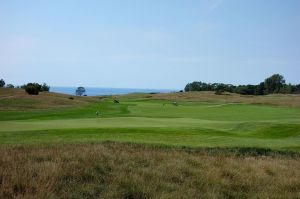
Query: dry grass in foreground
287, 100
112, 170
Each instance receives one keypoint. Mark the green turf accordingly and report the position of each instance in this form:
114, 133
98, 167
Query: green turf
139, 119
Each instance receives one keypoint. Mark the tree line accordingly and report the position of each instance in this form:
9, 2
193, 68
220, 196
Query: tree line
3, 84
274, 84
30, 88
36, 88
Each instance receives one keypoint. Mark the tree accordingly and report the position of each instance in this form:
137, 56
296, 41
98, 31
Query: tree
2, 83
187, 87
274, 83
194, 86
286, 88
246, 89
35, 88
32, 88
45, 87
260, 89
10, 86
80, 91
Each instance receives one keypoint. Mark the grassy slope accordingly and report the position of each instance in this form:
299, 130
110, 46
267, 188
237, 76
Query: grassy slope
18, 99
288, 100
139, 118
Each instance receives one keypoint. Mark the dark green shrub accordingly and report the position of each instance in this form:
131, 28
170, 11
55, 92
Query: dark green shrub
45, 87
35, 88
2, 83
10, 86
116, 101
32, 88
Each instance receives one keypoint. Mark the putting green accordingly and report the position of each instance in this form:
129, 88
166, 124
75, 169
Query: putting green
117, 122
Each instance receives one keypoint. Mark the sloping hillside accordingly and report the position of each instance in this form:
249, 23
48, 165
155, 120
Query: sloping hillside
288, 100
18, 99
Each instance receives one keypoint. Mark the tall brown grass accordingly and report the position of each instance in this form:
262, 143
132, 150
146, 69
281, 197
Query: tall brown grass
114, 170
288, 100
18, 99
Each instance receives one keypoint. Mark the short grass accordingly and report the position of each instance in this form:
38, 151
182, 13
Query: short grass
140, 118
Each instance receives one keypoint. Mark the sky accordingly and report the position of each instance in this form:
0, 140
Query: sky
148, 43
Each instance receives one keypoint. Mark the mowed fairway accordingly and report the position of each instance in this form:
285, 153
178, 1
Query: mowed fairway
140, 118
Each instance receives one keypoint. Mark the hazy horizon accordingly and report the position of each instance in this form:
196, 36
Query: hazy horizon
148, 44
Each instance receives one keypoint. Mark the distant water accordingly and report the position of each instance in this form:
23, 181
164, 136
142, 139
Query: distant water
91, 91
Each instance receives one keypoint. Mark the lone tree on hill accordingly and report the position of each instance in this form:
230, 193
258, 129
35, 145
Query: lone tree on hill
2, 83
80, 91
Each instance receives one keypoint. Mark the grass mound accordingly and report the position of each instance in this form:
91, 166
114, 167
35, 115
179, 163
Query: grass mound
278, 131
18, 99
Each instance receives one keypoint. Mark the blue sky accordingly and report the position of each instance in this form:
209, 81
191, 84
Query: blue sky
148, 44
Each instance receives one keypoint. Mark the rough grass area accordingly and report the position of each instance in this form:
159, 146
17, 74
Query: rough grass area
114, 170
287, 100
18, 99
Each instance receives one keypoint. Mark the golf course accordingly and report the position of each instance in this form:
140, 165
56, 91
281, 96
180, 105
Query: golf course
150, 99
142, 118
165, 145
